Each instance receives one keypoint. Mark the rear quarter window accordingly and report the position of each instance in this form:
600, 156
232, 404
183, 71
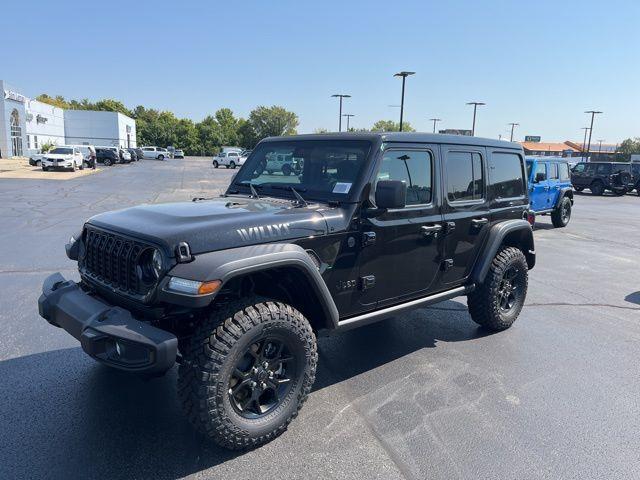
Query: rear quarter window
507, 175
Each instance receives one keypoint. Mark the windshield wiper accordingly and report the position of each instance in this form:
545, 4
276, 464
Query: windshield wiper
252, 187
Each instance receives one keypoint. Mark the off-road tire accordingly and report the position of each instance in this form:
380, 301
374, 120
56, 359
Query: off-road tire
232, 165
597, 188
211, 355
560, 216
287, 170
484, 301
578, 189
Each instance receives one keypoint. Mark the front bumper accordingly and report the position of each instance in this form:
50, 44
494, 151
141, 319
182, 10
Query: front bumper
109, 334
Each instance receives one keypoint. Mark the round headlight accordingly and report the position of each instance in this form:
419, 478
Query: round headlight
156, 263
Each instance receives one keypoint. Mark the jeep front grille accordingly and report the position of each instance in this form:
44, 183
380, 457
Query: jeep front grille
111, 259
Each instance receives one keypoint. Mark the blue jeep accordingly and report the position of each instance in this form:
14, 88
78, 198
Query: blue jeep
550, 191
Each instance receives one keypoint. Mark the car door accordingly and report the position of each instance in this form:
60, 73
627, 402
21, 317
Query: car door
539, 187
402, 248
465, 208
554, 184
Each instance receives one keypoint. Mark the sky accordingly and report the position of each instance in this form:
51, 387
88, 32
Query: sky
540, 64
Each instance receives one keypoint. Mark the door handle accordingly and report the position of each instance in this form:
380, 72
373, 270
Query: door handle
546, 189
478, 222
428, 230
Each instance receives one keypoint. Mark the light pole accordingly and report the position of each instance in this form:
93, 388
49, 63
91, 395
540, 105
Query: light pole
593, 114
600, 146
404, 76
513, 125
584, 142
435, 120
348, 115
475, 106
340, 96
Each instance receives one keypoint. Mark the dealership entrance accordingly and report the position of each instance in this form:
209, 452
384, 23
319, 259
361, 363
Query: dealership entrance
16, 133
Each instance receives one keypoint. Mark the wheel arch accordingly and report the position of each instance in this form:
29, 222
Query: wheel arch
565, 192
279, 271
511, 233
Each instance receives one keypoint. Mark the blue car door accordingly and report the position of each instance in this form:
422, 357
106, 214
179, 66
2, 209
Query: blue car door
539, 187
554, 184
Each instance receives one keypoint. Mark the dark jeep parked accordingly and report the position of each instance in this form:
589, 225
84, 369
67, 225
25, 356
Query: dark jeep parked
107, 156
235, 289
599, 177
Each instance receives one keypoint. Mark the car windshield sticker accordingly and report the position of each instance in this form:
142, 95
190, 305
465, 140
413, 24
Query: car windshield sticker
342, 187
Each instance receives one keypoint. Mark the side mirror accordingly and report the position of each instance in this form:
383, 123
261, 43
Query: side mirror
540, 177
391, 194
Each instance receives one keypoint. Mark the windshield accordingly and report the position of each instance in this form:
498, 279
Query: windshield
322, 169
62, 151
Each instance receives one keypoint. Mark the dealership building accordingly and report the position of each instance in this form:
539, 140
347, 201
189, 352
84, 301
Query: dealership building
27, 124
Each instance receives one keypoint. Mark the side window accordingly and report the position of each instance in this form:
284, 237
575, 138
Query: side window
564, 171
579, 168
465, 179
603, 169
412, 167
541, 173
553, 171
233, 154
506, 175
590, 168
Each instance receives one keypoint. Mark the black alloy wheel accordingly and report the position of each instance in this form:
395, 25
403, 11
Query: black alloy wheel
262, 377
508, 290
597, 188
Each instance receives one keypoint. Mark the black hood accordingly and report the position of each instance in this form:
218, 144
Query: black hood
215, 224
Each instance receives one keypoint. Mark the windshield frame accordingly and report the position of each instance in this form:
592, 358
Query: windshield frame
283, 189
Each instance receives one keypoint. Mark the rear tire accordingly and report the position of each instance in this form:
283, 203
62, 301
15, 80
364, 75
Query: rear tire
560, 216
235, 363
160, 157
107, 162
232, 165
286, 169
578, 189
597, 188
496, 303
215, 164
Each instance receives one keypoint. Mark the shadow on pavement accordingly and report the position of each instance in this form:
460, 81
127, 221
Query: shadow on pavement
62, 415
633, 298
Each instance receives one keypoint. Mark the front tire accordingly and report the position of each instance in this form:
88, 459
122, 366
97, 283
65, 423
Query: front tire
247, 370
496, 303
578, 189
160, 157
232, 165
560, 216
215, 164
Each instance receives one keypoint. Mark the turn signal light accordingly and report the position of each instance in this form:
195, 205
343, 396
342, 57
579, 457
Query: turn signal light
209, 287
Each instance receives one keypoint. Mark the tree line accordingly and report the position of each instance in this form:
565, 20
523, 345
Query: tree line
163, 128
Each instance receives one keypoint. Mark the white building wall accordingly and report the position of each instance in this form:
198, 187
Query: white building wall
8, 103
97, 128
45, 124
127, 131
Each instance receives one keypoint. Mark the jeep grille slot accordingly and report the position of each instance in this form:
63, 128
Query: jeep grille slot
111, 260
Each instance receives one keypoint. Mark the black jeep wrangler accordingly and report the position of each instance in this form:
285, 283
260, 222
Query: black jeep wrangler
234, 289
598, 177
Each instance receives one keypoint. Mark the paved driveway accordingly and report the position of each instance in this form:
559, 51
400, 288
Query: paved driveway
428, 395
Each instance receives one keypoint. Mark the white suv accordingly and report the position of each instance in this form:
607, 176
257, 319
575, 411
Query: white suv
63, 157
156, 153
228, 159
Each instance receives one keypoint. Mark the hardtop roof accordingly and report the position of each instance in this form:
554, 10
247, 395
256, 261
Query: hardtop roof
400, 137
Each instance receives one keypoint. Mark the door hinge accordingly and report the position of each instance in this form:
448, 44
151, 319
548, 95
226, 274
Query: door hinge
368, 238
447, 264
367, 282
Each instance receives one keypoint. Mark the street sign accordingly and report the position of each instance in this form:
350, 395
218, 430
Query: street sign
532, 138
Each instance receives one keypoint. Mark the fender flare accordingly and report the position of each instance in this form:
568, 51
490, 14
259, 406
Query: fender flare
225, 265
564, 191
516, 233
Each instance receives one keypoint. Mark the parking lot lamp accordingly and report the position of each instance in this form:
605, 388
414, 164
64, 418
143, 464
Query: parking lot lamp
435, 120
600, 146
475, 107
348, 115
404, 76
513, 125
340, 96
593, 114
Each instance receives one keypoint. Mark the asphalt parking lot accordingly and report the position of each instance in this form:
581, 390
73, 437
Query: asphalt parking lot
428, 395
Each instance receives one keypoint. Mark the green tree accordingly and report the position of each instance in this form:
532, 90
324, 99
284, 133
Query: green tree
110, 105
272, 122
391, 126
228, 126
210, 136
58, 101
187, 137
630, 146
247, 136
